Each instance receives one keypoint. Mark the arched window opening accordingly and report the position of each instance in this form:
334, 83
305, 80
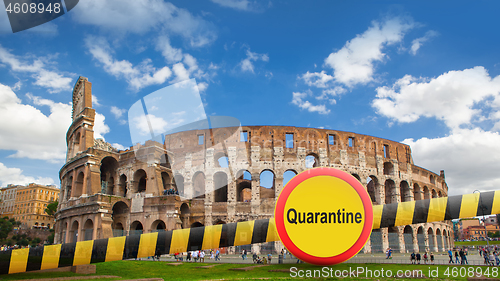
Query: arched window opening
267, 184
199, 185
136, 228
373, 188
122, 186
73, 233
288, 175
68, 188
390, 192
179, 184
88, 229
434, 194
108, 174
79, 185
244, 187
158, 226
427, 194
140, 181
312, 161
196, 224
117, 229
222, 160
388, 169
432, 179
220, 187
405, 191
417, 193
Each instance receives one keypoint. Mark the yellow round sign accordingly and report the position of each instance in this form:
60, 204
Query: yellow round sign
324, 216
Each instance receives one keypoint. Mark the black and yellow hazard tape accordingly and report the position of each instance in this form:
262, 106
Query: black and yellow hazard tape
138, 246
231, 234
436, 209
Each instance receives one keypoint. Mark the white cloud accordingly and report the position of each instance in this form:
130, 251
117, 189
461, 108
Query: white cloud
171, 54
470, 158
117, 112
95, 101
298, 99
354, 63
16, 176
118, 146
158, 124
450, 97
26, 121
317, 79
137, 77
247, 65
44, 77
100, 127
242, 5
417, 43
132, 16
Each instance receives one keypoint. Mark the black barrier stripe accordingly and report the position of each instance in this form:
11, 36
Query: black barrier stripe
99, 251
131, 247
421, 210
227, 235
67, 254
35, 258
260, 228
195, 238
453, 207
485, 203
163, 242
389, 215
5, 261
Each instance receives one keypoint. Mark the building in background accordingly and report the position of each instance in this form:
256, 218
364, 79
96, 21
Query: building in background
8, 199
30, 204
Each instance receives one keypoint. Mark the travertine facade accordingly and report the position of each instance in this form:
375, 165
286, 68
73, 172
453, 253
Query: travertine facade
105, 192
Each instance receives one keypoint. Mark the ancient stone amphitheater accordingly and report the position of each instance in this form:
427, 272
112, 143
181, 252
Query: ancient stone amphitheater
223, 175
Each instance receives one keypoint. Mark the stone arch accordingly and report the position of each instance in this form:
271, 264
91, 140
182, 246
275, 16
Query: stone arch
373, 188
357, 177
243, 186
388, 169
166, 181
88, 230
267, 184
421, 239
108, 174
179, 184
417, 193
73, 232
140, 181
199, 185
440, 194
119, 208
220, 187
430, 238
439, 240
79, 184
221, 160
136, 228
288, 175
122, 186
408, 238
393, 237
196, 224
390, 192
432, 179
185, 211
405, 191
158, 226
434, 194
118, 229
426, 192
312, 160
445, 238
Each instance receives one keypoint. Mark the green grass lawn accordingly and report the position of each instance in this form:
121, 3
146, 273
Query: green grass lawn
189, 271
476, 243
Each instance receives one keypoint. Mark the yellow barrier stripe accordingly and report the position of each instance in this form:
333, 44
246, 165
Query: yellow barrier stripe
83, 252
377, 215
272, 233
18, 260
468, 208
495, 209
437, 209
211, 237
180, 238
244, 231
114, 251
404, 213
51, 256
147, 245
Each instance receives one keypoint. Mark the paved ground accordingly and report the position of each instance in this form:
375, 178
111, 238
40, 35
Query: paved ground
440, 258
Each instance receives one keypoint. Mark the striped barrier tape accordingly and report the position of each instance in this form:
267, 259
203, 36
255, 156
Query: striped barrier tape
231, 234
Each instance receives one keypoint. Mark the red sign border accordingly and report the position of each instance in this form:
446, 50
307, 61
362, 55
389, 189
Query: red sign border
280, 209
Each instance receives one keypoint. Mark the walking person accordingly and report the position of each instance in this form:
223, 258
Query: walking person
456, 257
418, 258
412, 258
217, 255
432, 258
450, 255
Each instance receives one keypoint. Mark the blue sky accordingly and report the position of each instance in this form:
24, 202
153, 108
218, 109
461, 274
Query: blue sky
422, 73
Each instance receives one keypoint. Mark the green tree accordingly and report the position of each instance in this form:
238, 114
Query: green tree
52, 209
6, 226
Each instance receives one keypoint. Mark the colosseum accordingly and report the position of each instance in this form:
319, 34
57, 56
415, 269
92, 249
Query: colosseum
230, 174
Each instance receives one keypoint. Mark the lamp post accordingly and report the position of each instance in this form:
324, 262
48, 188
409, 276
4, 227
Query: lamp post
484, 220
